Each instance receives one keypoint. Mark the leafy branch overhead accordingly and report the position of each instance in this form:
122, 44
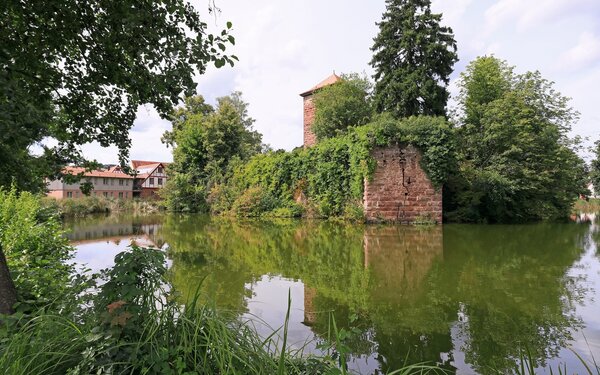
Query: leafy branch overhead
77, 70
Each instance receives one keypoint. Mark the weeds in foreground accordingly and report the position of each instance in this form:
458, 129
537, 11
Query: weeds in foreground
134, 326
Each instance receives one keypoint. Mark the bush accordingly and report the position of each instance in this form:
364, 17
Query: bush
253, 202
36, 249
328, 179
134, 326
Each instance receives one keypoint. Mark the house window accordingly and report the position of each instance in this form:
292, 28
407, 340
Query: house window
69, 194
121, 195
160, 181
76, 194
121, 182
126, 195
126, 182
112, 182
159, 170
105, 194
105, 181
151, 182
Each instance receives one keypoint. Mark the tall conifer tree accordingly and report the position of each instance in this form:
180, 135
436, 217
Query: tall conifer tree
413, 58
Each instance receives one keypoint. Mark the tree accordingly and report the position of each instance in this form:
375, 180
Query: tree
517, 163
595, 169
343, 104
77, 71
205, 143
413, 59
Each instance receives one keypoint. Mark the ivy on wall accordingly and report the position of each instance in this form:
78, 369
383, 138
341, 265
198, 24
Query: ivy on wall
328, 178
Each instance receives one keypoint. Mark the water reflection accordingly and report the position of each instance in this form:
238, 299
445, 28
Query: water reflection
465, 297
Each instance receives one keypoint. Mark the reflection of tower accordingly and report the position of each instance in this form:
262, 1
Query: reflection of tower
400, 258
310, 315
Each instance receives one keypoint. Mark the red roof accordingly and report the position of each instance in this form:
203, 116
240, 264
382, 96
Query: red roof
326, 82
109, 173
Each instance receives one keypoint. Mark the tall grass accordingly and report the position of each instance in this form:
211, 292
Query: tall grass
134, 326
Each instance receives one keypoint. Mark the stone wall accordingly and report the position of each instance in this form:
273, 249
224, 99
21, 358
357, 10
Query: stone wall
400, 191
310, 138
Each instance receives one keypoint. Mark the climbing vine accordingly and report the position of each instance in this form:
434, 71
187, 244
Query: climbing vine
328, 179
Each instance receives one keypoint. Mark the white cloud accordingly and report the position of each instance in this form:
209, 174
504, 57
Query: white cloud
286, 47
585, 54
528, 15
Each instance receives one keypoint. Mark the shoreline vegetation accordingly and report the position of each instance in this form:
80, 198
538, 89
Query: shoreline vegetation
79, 207
130, 319
591, 205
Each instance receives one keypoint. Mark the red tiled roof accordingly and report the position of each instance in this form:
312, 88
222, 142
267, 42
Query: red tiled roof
326, 82
97, 173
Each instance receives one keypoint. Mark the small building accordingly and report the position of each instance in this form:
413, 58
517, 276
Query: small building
109, 182
309, 108
150, 176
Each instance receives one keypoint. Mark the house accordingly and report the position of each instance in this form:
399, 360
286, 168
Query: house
150, 176
107, 182
113, 182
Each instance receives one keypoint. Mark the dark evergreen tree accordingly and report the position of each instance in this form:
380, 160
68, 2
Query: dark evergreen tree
413, 59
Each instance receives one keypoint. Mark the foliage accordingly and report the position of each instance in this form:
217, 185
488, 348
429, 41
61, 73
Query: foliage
36, 250
135, 327
591, 205
328, 179
516, 160
341, 105
406, 284
595, 169
78, 70
205, 143
413, 56
83, 206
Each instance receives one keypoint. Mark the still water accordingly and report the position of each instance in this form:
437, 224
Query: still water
465, 297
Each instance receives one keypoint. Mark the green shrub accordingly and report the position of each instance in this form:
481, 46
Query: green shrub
329, 176
36, 249
253, 202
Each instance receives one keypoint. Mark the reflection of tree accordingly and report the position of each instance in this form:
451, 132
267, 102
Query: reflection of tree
407, 285
512, 283
375, 272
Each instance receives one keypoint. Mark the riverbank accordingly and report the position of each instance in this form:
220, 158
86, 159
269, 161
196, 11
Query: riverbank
587, 206
84, 206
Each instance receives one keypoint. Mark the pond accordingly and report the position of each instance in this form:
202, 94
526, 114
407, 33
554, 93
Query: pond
466, 297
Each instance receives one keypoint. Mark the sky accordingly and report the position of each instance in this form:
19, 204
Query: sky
285, 47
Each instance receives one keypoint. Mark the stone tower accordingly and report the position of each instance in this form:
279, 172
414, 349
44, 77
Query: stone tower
399, 190
309, 109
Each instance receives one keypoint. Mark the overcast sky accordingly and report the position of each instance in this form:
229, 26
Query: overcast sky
285, 47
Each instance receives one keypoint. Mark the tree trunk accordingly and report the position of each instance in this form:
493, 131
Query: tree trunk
8, 293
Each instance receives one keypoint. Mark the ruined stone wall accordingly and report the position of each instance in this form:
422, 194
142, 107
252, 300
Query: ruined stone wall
400, 191
310, 139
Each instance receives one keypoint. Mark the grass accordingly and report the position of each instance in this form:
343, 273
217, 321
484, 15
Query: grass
591, 205
526, 365
134, 326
